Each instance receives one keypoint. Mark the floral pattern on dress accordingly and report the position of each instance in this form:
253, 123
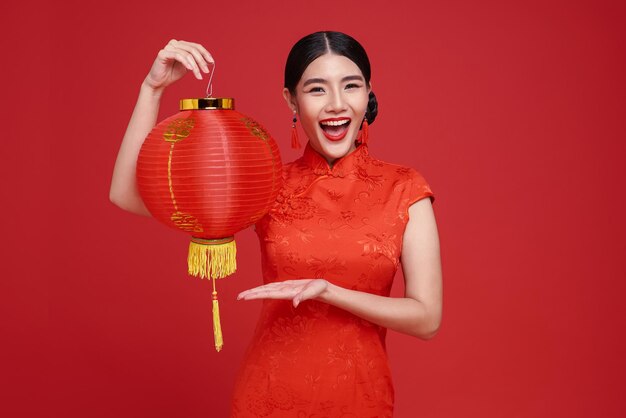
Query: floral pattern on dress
382, 244
321, 268
371, 180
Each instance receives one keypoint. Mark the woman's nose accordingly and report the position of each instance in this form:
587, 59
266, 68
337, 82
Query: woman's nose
336, 102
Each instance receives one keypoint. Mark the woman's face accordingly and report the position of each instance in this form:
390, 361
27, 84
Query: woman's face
331, 100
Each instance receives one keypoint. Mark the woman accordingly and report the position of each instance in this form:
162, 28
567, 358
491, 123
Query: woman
331, 244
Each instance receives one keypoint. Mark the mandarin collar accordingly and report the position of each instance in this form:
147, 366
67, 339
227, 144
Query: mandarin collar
342, 166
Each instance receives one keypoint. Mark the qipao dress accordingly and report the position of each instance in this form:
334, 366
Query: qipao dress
344, 224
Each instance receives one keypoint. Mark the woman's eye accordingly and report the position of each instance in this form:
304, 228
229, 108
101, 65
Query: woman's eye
352, 86
316, 90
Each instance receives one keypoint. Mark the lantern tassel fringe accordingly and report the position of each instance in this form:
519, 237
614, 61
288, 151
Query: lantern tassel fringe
214, 261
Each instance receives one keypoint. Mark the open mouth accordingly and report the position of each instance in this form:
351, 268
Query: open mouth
335, 129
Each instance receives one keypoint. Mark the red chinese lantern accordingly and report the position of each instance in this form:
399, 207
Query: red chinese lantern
209, 171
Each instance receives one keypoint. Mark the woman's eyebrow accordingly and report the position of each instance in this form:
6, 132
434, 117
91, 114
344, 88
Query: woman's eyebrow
352, 77
313, 80
324, 81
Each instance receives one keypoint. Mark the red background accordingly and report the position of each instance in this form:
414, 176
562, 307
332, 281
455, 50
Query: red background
512, 111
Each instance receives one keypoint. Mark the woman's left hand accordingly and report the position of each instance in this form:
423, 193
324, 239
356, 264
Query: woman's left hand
296, 290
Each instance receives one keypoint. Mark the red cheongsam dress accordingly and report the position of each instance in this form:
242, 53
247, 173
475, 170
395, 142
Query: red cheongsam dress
343, 224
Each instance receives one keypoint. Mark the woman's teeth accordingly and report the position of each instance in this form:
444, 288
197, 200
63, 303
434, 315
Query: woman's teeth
335, 122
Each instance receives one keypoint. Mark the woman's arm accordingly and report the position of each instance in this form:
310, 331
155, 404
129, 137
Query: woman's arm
418, 313
124, 192
171, 64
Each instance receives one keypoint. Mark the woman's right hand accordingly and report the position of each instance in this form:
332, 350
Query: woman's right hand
174, 61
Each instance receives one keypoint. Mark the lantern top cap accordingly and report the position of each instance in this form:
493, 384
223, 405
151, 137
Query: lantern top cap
208, 103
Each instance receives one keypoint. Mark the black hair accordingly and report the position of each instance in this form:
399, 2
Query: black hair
312, 46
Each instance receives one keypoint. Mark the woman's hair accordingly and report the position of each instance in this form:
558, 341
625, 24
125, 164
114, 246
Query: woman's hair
312, 46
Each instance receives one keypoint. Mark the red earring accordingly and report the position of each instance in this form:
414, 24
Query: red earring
364, 131
295, 142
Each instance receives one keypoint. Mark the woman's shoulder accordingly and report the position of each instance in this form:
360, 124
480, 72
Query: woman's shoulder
399, 171
407, 179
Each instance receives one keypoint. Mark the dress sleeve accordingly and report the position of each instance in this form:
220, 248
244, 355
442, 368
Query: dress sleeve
418, 188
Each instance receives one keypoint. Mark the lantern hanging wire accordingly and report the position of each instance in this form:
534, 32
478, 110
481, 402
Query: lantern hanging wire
209, 87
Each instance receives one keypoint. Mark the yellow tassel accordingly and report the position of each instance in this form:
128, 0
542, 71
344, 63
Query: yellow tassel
217, 326
213, 259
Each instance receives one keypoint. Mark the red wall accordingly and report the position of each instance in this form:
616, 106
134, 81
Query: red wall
513, 112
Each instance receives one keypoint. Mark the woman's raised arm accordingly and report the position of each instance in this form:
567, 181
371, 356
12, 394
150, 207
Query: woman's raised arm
171, 64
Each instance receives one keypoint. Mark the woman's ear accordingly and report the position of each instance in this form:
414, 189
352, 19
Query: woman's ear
369, 87
290, 99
